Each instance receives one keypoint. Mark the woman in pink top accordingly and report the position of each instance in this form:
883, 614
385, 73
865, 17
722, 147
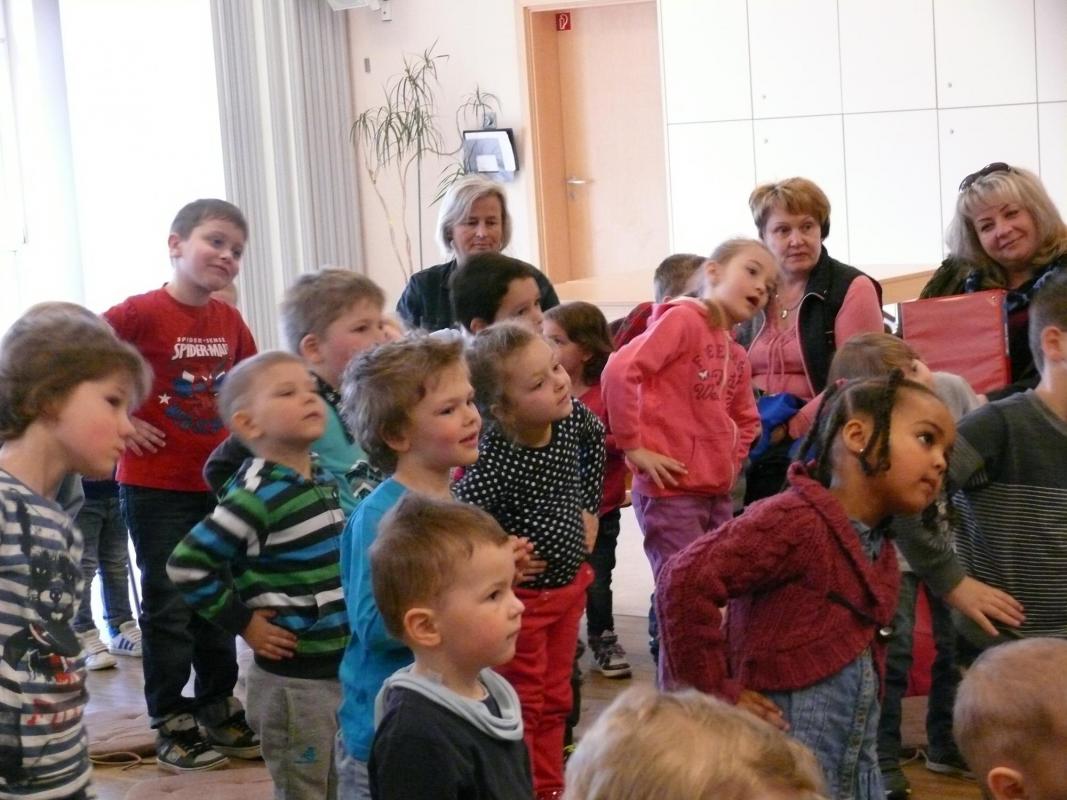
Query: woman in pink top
820, 304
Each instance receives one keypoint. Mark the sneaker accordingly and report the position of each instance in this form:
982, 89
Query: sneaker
896, 784
96, 654
608, 656
949, 763
232, 735
127, 642
180, 747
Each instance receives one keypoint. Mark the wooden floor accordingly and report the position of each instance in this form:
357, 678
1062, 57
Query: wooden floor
122, 689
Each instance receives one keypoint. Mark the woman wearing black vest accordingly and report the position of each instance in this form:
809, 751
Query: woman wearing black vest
819, 305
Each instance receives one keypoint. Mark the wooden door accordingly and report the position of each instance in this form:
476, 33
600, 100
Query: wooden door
596, 94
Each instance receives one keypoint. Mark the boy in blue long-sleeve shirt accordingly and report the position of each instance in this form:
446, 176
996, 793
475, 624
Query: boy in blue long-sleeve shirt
411, 406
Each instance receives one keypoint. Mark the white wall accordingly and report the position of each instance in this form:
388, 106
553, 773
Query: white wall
886, 105
481, 38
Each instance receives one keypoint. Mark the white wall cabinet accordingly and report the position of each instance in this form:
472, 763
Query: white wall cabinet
890, 156
712, 174
985, 52
1051, 27
811, 147
974, 137
1052, 130
887, 60
887, 106
795, 63
705, 60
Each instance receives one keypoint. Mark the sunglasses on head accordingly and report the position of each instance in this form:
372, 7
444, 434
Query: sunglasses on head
988, 169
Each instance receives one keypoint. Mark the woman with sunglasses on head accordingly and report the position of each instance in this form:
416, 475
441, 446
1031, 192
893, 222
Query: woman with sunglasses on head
820, 303
1007, 234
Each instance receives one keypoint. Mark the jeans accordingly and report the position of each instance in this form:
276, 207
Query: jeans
174, 637
105, 536
944, 676
353, 779
838, 719
598, 598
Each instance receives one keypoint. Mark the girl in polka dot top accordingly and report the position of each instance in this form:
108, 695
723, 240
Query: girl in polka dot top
539, 472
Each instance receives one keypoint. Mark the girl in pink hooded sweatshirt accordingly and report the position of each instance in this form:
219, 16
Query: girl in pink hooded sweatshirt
680, 402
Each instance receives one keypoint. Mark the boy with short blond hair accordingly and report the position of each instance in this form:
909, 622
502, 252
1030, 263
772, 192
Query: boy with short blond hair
192, 342
277, 532
686, 745
448, 725
1009, 719
411, 406
327, 318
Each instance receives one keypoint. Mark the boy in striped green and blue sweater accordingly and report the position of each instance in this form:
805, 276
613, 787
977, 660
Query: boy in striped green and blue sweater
276, 531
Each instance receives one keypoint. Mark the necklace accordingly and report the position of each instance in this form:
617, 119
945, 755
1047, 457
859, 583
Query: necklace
785, 310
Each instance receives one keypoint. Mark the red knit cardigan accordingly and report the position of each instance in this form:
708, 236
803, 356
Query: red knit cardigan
804, 599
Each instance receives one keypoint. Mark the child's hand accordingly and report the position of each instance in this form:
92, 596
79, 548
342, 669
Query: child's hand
146, 437
591, 523
534, 567
660, 468
523, 552
980, 601
756, 703
266, 638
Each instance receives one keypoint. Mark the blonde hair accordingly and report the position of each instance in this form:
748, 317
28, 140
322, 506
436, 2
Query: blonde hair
869, 355
457, 204
51, 349
726, 251
793, 196
684, 746
241, 380
1011, 701
316, 299
1014, 185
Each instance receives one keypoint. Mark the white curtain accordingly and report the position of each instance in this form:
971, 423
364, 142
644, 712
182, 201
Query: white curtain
285, 100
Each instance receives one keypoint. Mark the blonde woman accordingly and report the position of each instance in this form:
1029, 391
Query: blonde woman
1007, 234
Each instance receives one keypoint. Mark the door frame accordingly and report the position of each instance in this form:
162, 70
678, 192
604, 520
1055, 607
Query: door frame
545, 152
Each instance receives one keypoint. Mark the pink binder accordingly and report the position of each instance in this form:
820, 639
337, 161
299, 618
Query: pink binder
966, 334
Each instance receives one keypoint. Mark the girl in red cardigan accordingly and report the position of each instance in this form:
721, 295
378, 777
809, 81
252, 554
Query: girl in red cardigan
810, 582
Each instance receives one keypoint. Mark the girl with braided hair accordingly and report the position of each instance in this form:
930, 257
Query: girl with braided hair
809, 580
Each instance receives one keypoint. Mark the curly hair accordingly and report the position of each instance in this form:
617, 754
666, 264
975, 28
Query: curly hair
1014, 185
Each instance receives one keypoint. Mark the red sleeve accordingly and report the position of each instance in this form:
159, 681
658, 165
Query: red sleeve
246, 344
626, 369
859, 313
123, 320
736, 559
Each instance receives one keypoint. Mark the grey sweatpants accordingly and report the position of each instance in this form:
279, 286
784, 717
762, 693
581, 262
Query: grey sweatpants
295, 719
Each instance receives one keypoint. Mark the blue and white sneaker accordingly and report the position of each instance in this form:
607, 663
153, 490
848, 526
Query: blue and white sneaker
127, 642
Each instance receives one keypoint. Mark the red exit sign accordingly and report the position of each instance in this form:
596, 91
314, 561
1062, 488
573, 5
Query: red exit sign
563, 20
